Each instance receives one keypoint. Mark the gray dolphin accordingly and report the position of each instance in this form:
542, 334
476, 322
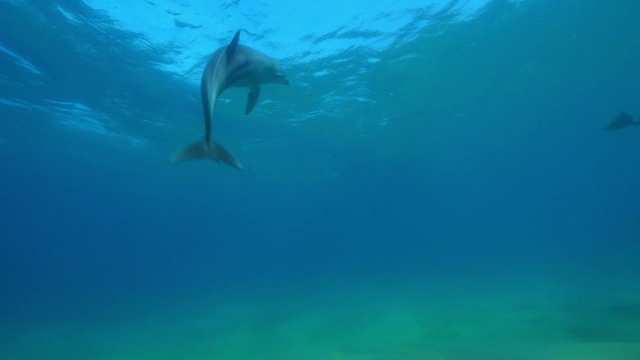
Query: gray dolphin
623, 120
231, 65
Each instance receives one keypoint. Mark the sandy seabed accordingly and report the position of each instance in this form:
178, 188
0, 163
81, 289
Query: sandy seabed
440, 319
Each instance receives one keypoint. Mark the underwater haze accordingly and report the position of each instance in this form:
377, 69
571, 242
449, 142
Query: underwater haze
434, 183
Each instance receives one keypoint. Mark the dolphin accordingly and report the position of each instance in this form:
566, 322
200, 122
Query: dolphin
232, 65
623, 120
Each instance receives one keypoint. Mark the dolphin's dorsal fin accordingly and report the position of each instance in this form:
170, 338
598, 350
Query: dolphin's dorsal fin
233, 45
252, 100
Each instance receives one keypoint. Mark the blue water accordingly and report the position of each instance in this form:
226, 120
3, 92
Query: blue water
434, 183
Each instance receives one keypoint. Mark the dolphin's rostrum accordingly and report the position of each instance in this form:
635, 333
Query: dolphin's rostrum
231, 65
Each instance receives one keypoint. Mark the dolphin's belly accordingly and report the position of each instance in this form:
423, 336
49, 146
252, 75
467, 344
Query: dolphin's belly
244, 82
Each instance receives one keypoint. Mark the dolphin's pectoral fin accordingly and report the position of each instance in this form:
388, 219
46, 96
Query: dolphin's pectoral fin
233, 45
252, 100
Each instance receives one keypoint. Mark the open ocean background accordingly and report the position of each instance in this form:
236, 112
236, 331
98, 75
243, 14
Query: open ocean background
434, 183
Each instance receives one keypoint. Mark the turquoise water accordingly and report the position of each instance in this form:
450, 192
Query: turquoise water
433, 184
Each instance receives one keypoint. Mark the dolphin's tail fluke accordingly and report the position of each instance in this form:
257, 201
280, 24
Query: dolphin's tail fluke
203, 150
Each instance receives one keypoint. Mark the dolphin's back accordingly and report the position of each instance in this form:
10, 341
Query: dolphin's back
210, 87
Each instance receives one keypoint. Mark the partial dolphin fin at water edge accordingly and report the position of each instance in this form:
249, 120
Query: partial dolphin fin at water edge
621, 121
